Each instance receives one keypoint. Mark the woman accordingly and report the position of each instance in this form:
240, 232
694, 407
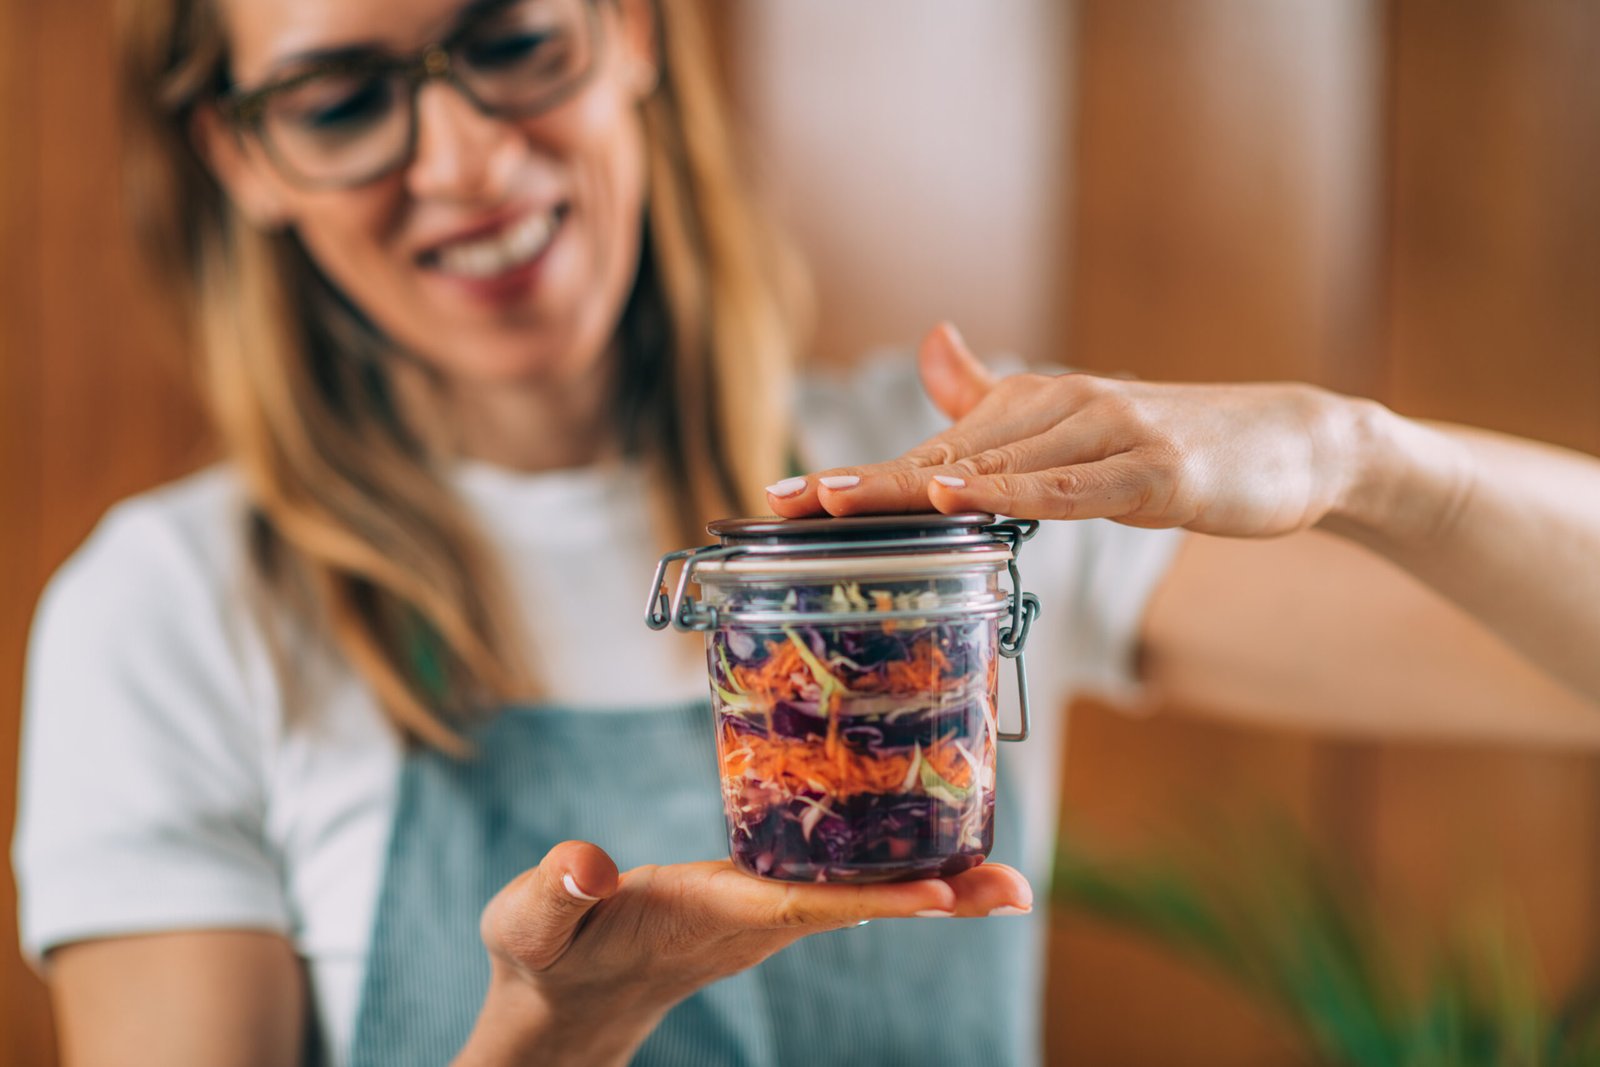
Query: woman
485, 323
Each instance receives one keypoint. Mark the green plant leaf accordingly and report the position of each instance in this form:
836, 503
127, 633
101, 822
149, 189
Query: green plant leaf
1286, 929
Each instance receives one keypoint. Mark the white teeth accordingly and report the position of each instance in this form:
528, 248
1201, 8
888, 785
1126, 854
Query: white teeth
489, 256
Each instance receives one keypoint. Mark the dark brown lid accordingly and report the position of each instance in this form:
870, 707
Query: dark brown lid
855, 528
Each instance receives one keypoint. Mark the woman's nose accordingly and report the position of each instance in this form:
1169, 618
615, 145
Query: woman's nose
461, 153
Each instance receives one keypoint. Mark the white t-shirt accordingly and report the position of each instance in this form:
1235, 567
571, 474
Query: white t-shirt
170, 781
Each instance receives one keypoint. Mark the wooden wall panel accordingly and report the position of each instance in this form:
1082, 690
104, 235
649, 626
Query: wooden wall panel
25, 1035
91, 406
1494, 837
1114, 999
1494, 294
1394, 198
1224, 164
1493, 318
915, 153
1225, 226
1201, 248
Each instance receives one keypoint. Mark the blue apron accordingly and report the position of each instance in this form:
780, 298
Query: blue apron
642, 785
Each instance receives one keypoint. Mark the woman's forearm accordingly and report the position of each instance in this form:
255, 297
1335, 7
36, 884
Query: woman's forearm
1507, 528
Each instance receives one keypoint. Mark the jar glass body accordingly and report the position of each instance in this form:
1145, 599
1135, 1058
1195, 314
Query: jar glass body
856, 715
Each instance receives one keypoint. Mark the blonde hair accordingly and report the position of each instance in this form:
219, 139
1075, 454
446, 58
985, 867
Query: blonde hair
348, 506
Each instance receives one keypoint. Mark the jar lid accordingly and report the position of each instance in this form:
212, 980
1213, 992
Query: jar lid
854, 528
797, 548
777, 548
853, 546
852, 565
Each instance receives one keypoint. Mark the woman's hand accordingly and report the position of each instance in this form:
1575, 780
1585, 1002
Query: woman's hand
1507, 529
586, 961
1237, 460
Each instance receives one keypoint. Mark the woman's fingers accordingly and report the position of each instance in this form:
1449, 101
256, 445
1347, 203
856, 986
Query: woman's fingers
1022, 423
728, 897
987, 412
991, 889
973, 894
901, 485
1122, 487
739, 900
893, 488
533, 920
953, 377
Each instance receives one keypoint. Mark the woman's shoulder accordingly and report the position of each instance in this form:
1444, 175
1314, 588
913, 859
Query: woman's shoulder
192, 527
144, 729
158, 578
204, 510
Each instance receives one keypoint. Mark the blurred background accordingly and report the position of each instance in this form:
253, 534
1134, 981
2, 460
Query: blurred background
1396, 198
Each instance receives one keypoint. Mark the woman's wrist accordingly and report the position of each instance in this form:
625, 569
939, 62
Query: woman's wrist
519, 1025
1405, 483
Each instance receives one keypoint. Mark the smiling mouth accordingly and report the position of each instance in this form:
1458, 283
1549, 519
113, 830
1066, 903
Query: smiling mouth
490, 256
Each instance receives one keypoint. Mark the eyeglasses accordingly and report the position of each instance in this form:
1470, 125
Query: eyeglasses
352, 118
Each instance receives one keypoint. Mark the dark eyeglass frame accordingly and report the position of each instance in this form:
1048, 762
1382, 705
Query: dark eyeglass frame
246, 110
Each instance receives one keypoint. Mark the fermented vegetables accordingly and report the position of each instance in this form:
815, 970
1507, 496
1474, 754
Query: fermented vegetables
853, 667
861, 751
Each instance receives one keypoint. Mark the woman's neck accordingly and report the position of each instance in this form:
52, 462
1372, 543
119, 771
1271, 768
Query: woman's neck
527, 426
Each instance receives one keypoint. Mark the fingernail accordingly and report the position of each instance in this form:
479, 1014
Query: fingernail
1009, 909
950, 480
572, 887
935, 913
840, 481
787, 487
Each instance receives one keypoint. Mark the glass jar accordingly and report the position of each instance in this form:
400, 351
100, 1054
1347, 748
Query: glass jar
854, 668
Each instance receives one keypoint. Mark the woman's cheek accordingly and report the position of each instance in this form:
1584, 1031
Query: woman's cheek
351, 236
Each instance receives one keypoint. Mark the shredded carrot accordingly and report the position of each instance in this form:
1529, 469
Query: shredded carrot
780, 676
798, 765
925, 672
783, 675
950, 764
885, 603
